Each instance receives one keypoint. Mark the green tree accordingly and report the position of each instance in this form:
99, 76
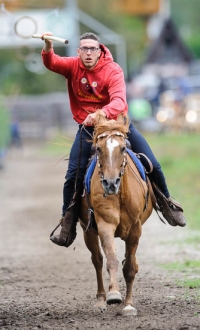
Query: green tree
15, 78
188, 22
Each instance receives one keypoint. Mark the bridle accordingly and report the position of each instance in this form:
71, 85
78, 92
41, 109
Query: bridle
91, 221
107, 136
124, 163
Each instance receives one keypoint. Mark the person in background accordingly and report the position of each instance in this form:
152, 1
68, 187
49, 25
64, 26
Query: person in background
96, 85
15, 133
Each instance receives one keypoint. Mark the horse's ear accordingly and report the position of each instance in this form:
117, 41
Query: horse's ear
122, 120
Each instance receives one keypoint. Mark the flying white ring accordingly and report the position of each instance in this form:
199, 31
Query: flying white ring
25, 27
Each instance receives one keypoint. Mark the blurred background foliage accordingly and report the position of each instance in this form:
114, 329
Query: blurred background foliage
15, 77
186, 16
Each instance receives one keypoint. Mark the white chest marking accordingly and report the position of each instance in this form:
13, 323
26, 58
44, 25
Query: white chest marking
111, 144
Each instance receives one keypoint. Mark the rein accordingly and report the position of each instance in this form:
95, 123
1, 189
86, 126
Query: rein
139, 180
79, 162
124, 163
79, 158
73, 200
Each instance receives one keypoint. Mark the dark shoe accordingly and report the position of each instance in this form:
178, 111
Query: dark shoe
172, 211
177, 212
68, 230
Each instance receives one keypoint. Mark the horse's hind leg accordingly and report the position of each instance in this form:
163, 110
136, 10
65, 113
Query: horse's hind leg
92, 243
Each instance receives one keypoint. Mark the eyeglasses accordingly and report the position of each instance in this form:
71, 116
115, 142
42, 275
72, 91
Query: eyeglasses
87, 49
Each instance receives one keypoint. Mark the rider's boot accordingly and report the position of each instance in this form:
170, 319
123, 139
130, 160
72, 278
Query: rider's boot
68, 231
171, 210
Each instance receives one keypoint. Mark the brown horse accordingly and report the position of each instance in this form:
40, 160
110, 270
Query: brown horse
121, 204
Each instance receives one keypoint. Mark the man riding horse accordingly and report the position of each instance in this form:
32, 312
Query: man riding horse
96, 85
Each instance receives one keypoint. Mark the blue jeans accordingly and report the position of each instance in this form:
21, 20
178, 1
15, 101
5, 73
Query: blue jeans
138, 144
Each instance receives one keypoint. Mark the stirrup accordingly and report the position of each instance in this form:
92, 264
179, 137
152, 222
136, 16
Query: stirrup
170, 209
174, 204
60, 223
68, 231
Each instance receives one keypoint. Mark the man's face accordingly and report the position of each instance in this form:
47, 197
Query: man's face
89, 52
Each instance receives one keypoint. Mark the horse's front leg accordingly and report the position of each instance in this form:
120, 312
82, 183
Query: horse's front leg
130, 268
106, 233
92, 243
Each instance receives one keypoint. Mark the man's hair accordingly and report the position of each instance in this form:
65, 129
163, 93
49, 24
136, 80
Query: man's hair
89, 35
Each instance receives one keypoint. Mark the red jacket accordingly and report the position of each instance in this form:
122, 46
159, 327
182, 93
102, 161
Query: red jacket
102, 87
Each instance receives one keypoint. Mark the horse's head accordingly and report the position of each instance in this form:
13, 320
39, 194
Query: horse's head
110, 145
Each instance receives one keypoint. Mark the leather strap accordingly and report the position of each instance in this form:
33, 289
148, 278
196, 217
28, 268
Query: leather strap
148, 160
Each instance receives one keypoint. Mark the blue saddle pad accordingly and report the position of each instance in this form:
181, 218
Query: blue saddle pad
89, 173
92, 165
137, 163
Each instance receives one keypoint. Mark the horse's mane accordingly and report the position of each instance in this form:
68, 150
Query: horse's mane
110, 125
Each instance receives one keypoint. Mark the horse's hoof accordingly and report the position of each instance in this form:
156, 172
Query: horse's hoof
114, 297
100, 306
129, 311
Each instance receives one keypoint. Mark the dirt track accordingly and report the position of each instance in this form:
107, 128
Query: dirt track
43, 286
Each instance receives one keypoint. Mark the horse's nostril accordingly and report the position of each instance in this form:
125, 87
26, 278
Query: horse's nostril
111, 183
111, 186
105, 182
118, 181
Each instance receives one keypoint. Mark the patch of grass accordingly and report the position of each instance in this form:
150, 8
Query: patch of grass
59, 145
187, 264
190, 268
191, 283
193, 239
179, 158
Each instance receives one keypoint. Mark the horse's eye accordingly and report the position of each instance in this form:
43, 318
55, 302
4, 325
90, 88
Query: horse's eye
123, 149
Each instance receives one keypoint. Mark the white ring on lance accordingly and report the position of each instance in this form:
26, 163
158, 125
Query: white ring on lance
25, 27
